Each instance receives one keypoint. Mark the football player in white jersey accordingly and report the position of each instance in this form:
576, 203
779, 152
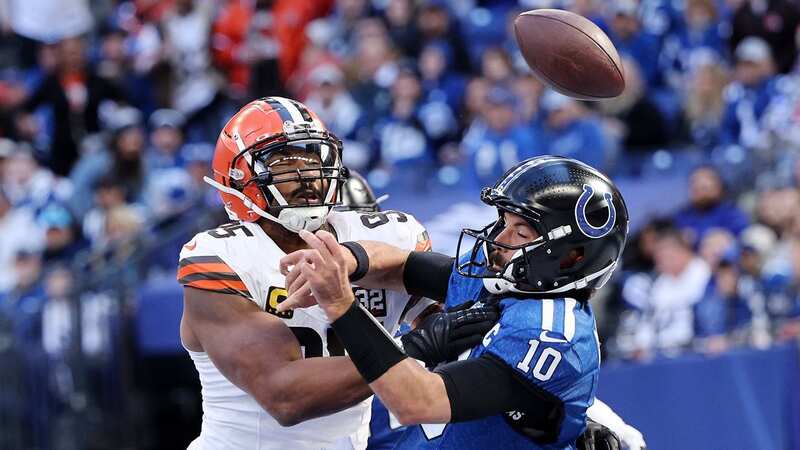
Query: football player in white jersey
280, 379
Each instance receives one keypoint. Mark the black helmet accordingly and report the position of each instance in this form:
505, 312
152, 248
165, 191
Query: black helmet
358, 196
581, 220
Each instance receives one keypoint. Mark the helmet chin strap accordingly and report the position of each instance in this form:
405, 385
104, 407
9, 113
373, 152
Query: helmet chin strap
309, 218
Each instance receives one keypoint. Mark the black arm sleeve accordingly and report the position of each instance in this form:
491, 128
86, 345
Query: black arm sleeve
427, 274
486, 386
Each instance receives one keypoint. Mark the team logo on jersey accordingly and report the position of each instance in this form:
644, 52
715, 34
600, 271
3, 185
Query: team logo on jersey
580, 214
274, 297
374, 300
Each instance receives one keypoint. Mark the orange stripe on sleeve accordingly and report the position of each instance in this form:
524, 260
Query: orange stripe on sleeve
204, 267
217, 285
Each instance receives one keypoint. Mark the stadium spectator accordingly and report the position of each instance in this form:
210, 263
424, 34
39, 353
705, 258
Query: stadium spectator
402, 29
497, 140
781, 270
194, 83
442, 94
723, 315
708, 208
166, 140
528, 91
716, 245
108, 194
340, 113
475, 99
774, 21
315, 55
245, 47
36, 22
75, 92
703, 102
569, 130
435, 23
56, 312
400, 137
24, 301
747, 98
116, 65
698, 28
20, 231
124, 161
342, 25
117, 243
496, 66
374, 64
439, 81
169, 192
197, 162
756, 244
29, 185
776, 207
63, 239
631, 39
632, 117
664, 319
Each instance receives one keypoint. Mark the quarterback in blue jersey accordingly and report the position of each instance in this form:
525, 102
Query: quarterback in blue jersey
560, 232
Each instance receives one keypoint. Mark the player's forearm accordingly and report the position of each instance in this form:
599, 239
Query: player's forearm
386, 264
309, 388
413, 394
424, 274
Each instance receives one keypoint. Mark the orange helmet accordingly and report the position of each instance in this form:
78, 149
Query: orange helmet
246, 182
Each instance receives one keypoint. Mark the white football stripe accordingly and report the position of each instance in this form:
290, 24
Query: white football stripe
240, 145
293, 111
547, 314
569, 318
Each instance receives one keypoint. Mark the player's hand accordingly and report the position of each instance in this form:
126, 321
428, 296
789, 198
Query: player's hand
598, 437
443, 336
321, 271
297, 287
631, 438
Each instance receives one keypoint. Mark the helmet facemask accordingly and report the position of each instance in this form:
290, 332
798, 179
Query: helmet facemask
479, 264
514, 276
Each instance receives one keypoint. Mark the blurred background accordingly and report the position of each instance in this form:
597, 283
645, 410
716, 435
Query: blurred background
109, 111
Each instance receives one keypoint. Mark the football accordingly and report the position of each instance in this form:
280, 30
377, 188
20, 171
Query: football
570, 54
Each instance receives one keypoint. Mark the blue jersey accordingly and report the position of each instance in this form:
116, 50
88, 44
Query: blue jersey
551, 344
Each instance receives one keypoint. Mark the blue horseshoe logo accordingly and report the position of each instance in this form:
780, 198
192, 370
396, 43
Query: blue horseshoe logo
580, 214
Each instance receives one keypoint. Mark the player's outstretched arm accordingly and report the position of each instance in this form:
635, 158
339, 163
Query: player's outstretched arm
260, 355
459, 391
383, 266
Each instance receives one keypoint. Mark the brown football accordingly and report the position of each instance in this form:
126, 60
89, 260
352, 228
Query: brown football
570, 54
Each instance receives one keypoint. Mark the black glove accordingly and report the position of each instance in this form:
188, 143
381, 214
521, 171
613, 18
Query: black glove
443, 336
598, 437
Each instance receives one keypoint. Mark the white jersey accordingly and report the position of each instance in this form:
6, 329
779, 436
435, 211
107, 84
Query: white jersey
239, 258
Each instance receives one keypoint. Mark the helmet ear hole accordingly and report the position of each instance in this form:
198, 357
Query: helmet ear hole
574, 256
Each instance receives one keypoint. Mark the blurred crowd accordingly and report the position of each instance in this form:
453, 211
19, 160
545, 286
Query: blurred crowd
109, 111
711, 276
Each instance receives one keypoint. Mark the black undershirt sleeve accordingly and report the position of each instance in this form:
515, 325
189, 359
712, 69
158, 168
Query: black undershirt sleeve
427, 274
486, 386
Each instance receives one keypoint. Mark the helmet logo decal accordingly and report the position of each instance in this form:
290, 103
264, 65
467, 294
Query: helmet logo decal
583, 223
